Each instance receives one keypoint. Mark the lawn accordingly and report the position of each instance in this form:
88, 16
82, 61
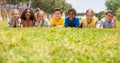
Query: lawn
59, 45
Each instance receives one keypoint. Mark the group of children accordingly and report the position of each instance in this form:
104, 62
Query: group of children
39, 19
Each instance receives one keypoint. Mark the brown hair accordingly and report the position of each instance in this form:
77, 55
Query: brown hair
15, 10
90, 10
109, 11
40, 12
57, 9
72, 10
23, 16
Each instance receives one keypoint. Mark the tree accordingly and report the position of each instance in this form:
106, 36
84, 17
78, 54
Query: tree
16, 2
49, 5
118, 14
113, 4
101, 14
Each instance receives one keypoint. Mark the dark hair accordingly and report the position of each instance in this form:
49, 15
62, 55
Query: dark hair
57, 9
72, 10
90, 10
109, 11
23, 16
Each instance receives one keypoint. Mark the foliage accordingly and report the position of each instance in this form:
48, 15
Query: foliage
118, 14
16, 1
59, 45
49, 5
113, 4
101, 14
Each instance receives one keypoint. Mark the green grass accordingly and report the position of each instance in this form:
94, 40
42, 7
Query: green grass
59, 45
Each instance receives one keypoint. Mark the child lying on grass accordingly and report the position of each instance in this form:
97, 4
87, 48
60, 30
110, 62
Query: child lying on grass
15, 20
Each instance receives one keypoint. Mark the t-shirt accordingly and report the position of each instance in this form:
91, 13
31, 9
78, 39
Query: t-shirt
45, 23
74, 23
11, 21
106, 24
57, 23
26, 23
90, 25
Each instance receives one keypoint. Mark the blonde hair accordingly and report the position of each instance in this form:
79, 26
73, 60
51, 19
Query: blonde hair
15, 10
41, 12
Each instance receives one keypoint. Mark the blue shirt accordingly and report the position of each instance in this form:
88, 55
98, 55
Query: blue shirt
106, 24
11, 21
45, 23
74, 23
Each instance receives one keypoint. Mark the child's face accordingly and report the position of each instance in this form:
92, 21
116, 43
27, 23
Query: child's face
71, 15
109, 17
57, 14
89, 16
41, 16
28, 14
15, 15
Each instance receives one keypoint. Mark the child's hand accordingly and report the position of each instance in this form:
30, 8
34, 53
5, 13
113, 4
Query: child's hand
40, 24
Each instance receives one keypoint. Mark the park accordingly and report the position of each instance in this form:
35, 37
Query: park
59, 45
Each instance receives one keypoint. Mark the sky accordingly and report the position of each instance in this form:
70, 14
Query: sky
83, 5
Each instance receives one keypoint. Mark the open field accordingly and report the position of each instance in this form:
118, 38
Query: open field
59, 45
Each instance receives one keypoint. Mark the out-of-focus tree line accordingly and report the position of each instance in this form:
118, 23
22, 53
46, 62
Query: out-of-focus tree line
113, 5
46, 5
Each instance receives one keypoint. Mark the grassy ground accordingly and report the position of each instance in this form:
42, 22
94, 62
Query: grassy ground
59, 45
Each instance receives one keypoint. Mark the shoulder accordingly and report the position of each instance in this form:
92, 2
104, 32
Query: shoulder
67, 18
10, 19
46, 20
84, 17
36, 22
53, 20
95, 18
62, 19
103, 20
76, 18
19, 20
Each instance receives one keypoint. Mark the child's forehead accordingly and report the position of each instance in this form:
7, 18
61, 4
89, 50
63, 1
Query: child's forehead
14, 13
28, 10
71, 12
57, 12
109, 14
41, 13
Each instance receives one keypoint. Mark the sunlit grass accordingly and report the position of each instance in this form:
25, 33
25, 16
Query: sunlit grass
59, 45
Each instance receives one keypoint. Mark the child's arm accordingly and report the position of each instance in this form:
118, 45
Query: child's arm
101, 24
12, 24
52, 23
40, 24
48, 23
17, 24
83, 25
114, 19
114, 25
77, 24
96, 21
21, 24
